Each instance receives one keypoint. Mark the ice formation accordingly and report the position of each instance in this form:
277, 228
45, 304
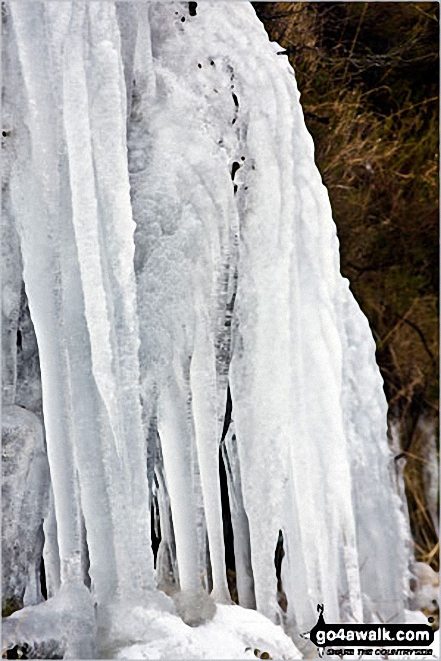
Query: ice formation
177, 240
25, 491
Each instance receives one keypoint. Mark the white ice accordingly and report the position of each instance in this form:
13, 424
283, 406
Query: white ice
177, 239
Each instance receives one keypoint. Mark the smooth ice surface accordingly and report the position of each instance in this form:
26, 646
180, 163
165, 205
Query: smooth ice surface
177, 240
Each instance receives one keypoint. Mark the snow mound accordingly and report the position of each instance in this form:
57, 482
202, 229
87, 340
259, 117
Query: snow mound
233, 633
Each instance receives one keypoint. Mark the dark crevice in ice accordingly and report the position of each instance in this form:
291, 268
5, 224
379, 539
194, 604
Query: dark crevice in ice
43, 586
155, 531
278, 558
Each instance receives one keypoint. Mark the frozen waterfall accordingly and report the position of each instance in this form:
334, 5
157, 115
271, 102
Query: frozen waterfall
177, 241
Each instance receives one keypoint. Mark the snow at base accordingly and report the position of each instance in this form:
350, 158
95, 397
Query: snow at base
234, 633
145, 629
150, 629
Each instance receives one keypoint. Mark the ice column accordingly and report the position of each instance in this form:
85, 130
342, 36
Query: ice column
237, 281
35, 194
224, 184
71, 198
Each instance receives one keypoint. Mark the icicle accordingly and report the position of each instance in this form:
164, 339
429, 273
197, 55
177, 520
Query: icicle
85, 218
51, 555
376, 503
204, 407
88, 313
239, 520
108, 126
173, 430
105, 252
127, 16
287, 326
34, 192
430, 471
166, 566
88, 266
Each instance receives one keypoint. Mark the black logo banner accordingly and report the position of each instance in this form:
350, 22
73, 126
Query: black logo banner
372, 635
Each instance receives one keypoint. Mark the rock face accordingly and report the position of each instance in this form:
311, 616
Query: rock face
24, 495
28, 384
